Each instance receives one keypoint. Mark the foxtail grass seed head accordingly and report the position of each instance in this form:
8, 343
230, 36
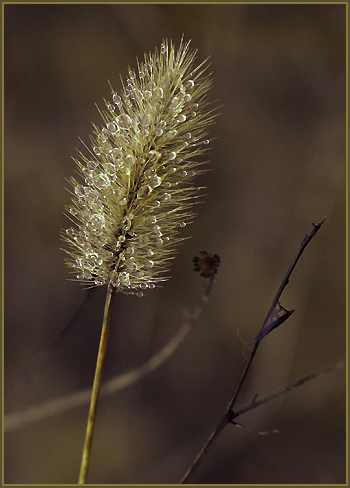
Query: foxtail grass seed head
137, 186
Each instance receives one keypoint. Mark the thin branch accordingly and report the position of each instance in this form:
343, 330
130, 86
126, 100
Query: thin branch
282, 391
269, 322
48, 409
275, 317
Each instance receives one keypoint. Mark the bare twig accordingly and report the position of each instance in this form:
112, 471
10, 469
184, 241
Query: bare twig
291, 386
275, 317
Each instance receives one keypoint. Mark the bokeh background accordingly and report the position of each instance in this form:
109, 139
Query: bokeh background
279, 163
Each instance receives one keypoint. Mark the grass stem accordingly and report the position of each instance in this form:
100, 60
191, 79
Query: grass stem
97, 384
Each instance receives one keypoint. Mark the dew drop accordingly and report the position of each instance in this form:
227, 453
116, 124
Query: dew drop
172, 133
139, 293
149, 264
129, 159
91, 194
73, 211
181, 118
147, 94
149, 253
183, 173
123, 277
154, 156
158, 92
96, 150
91, 164
159, 242
158, 131
188, 84
101, 181
151, 220
155, 181
175, 102
183, 224
110, 168
144, 192
70, 231
116, 99
111, 127
124, 121
143, 285
188, 135
131, 266
130, 251
117, 153
145, 120
166, 197
103, 137
79, 191
172, 155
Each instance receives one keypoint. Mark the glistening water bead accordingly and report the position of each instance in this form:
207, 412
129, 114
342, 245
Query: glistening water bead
137, 186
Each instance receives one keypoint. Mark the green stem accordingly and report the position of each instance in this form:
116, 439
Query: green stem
97, 383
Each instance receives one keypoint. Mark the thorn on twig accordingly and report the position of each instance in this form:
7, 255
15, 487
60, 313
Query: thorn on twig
316, 228
257, 432
276, 318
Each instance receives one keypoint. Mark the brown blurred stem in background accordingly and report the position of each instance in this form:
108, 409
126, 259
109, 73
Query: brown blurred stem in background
39, 412
25, 377
275, 317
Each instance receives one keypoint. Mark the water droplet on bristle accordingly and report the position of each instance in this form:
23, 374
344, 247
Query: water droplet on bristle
155, 181
111, 127
166, 197
188, 84
181, 118
158, 92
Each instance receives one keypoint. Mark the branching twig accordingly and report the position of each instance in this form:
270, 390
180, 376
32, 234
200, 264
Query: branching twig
275, 317
257, 403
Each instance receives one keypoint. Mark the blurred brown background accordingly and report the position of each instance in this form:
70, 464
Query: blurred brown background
279, 162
